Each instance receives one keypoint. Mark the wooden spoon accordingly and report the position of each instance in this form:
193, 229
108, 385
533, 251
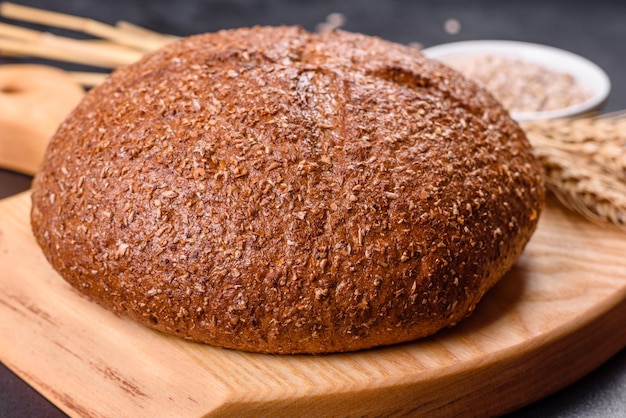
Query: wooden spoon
34, 100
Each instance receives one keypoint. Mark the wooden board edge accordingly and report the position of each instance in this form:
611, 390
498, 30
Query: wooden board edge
516, 377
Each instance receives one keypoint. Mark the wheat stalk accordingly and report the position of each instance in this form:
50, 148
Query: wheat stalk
584, 162
114, 34
113, 46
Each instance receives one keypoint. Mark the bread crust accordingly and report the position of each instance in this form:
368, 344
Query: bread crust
277, 191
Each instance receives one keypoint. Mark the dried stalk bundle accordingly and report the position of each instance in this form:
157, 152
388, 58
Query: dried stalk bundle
113, 47
584, 163
131, 38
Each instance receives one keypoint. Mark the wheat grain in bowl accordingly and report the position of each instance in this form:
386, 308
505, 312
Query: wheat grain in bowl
520, 86
532, 81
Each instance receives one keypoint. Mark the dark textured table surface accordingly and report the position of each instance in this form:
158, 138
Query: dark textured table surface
594, 29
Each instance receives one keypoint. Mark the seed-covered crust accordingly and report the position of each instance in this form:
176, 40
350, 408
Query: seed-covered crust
273, 190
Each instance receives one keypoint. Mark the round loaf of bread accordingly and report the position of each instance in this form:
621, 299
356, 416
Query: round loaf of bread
278, 191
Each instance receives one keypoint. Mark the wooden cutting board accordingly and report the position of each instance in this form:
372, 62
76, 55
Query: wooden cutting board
557, 315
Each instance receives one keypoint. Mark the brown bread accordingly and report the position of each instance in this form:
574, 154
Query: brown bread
273, 190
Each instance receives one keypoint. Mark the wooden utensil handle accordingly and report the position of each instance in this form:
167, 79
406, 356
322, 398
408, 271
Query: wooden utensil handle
34, 100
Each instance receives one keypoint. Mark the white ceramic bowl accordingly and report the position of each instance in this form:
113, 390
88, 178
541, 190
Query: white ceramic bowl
587, 74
